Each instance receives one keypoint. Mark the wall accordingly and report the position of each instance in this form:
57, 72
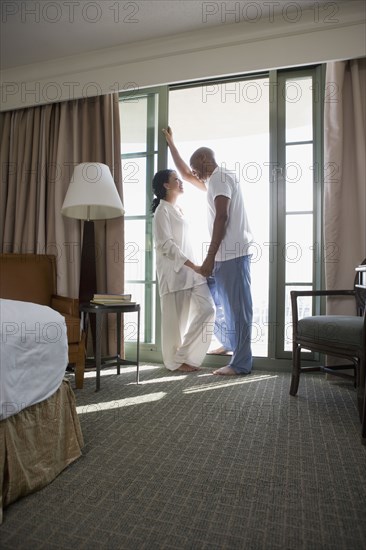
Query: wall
237, 48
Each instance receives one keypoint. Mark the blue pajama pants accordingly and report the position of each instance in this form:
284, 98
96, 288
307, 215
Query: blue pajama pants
230, 286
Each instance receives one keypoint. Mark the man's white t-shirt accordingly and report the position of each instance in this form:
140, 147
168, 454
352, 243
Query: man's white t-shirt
238, 234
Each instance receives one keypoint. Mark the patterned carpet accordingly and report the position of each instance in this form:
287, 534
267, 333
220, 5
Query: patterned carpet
202, 462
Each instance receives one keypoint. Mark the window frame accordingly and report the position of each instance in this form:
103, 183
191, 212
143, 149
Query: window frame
278, 157
150, 318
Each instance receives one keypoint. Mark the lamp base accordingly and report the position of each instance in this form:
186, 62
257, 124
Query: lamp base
88, 270
88, 273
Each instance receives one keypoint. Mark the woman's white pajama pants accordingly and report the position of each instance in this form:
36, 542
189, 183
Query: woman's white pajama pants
187, 318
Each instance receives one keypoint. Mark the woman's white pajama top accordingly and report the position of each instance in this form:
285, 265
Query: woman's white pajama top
187, 308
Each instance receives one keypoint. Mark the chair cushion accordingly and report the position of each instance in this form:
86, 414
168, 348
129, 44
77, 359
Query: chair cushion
339, 330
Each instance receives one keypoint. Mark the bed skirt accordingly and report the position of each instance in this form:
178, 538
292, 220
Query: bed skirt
37, 444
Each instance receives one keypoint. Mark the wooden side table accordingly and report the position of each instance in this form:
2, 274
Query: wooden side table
99, 310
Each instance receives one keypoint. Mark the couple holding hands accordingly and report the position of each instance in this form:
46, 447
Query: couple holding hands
216, 294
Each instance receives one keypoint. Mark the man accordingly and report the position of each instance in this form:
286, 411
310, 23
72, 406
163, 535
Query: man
227, 263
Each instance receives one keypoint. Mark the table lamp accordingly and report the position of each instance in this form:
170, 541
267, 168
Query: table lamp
92, 195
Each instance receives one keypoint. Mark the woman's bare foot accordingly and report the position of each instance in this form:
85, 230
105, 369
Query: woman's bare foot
226, 371
187, 368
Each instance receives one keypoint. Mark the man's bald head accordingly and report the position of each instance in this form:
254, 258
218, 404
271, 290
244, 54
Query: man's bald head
203, 162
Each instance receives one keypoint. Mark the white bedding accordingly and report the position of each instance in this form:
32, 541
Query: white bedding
33, 354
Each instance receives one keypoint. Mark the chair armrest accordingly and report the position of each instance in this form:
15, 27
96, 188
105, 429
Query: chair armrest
63, 304
322, 292
296, 293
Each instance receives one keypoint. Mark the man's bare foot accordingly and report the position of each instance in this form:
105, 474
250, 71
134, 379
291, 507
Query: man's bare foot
187, 368
225, 371
219, 351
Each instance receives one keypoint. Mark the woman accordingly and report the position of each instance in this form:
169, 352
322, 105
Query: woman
187, 308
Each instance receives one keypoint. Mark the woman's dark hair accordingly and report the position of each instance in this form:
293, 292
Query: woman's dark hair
158, 181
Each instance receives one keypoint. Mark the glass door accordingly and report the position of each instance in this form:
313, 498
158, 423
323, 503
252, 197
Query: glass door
232, 118
298, 182
142, 152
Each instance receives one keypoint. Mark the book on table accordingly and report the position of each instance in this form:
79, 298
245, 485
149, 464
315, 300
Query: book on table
113, 299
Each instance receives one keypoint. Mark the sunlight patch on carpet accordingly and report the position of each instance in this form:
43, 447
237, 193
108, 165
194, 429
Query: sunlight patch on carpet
107, 371
173, 378
117, 403
222, 384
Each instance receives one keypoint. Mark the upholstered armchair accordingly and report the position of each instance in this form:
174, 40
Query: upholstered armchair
342, 336
32, 278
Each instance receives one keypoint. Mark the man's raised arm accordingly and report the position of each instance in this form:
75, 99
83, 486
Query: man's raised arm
183, 168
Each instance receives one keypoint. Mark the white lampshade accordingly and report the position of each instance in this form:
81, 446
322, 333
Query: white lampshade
92, 194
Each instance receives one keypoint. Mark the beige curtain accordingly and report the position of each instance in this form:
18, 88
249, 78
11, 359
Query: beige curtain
345, 177
39, 148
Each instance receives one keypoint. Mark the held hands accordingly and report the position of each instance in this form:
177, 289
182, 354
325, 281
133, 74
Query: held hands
193, 266
206, 268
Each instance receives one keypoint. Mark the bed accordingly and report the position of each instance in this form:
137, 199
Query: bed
40, 433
